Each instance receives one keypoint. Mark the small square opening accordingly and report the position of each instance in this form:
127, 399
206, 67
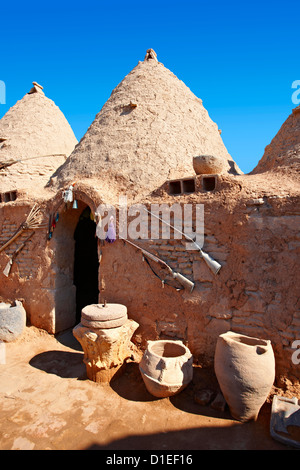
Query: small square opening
174, 187
209, 183
188, 186
9, 196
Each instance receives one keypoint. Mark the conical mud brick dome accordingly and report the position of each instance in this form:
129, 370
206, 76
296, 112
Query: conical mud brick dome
33, 127
147, 132
284, 149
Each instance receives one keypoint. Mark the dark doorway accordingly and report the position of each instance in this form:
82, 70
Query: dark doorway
86, 264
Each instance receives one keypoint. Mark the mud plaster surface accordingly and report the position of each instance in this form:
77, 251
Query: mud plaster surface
46, 402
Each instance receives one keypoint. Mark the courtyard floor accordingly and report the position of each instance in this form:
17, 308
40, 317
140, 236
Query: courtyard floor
47, 403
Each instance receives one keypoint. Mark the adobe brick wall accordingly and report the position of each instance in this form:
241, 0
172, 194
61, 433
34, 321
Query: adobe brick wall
255, 293
253, 231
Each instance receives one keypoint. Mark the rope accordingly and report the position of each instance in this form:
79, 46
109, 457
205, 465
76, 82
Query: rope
162, 280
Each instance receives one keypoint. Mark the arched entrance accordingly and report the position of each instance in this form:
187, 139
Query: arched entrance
74, 272
86, 263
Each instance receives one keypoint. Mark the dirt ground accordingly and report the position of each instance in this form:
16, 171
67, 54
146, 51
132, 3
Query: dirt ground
47, 403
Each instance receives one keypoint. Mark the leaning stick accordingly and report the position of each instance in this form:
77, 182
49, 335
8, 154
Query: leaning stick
14, 255
32, 222
12, 162
211, 263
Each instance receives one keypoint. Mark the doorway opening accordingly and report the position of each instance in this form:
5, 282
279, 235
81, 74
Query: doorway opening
86, 263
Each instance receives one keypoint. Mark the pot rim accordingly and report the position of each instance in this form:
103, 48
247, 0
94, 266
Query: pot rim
167, 341
244, 340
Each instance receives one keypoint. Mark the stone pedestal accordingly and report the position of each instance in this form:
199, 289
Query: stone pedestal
106, 349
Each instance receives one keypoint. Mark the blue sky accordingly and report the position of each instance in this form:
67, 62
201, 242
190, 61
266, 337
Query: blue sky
239, 58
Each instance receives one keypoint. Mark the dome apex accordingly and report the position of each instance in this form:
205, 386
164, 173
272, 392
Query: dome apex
150, 141
284, 149
33, 127
36, 89
150, 54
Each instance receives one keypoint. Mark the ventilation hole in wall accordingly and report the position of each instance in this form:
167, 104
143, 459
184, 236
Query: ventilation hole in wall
188, 186
174, 187
9, 196
209, 183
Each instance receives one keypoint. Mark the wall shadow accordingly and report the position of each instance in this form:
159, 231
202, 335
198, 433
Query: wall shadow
236, 436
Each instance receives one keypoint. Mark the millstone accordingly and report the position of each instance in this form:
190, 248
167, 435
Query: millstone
104, 316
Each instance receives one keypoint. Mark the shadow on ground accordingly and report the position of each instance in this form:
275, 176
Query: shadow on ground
130, 384
234, 436
68, 339
65, 364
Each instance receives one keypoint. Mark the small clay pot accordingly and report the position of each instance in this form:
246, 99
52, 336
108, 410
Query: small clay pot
245, 369
166, 367
208, 164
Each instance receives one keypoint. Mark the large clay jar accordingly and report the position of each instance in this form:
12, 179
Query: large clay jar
166, 367
245, 369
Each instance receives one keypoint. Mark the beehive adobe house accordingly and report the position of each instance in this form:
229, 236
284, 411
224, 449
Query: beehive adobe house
37, 133
141, 145
33, 127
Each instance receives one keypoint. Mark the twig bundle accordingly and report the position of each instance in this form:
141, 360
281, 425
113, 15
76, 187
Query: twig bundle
33, 221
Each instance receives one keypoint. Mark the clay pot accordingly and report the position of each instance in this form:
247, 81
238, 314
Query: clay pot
208, 164
245, 369
166, 367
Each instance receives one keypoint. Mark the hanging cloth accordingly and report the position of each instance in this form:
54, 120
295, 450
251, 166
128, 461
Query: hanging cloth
111, 232
99, 225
